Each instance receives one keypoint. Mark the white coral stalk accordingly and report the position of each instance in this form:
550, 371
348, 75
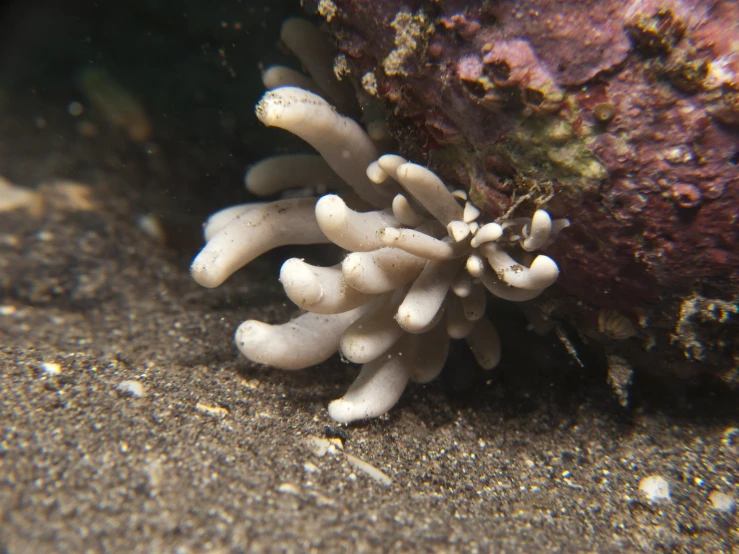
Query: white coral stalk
458, 325
484, 342
542, 273
277, 76
340, 140
218, 221
317, 55
429, 355
475, 303
381, 270
404, 212
430, 192
422, 244
251, 234
375, 332
280, 173
537, 234
378, 386
349, 229
425, 297
319, 290
307, 340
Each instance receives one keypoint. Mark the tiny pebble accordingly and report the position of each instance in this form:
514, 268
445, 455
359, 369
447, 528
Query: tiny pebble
655, 488
722, 501
288, 488
75, 109
51, 369
134, 388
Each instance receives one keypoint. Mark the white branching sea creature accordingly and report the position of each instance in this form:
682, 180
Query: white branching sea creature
417, 268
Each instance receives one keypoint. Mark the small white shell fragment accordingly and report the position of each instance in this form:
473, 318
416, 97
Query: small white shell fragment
459, 194
153, 226
369, 470
134, 388
722, 501
215, 411
655, 487
320, 447
51, 368
288, 488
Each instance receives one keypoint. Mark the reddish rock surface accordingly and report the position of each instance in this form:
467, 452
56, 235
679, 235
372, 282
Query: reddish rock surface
627, 111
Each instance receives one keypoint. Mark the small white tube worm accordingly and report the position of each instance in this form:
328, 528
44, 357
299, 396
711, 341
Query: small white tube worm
471, 212
378, 387
280, 173
320, 290
426, 295
474, 304
221, 218
506, 292
276, 76
316, 53
429, 191
462, 284
487, 233
404, 212
457, 325
542, 273
381, 270
429, 355
348, 229
421, 244
390, 163
252, 234
484, 343
307, 340
539, 230
375, 332
340, 140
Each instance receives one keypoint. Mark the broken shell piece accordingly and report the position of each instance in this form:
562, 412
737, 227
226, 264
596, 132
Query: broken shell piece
615, 325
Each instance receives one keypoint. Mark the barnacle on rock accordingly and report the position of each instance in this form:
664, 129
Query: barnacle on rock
418, 265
